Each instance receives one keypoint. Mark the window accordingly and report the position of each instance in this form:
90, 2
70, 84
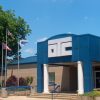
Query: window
52, 50
51, 77
68, 48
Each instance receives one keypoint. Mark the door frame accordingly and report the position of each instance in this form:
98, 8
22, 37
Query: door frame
95, 77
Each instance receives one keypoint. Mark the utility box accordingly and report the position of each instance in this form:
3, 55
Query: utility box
4, 93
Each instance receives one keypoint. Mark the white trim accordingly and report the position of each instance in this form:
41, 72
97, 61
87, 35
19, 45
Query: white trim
80, 78
46, 82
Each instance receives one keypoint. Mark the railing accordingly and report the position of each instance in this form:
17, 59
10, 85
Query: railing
55, 89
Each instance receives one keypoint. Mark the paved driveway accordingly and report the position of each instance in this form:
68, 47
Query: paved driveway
23, 98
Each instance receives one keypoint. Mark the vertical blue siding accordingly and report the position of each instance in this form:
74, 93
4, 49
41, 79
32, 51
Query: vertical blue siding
42, 58
94, 48
88, 76
40, 78
75, 48
80, 49
42, 52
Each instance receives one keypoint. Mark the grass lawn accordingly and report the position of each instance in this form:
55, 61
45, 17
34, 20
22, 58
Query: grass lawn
93, 93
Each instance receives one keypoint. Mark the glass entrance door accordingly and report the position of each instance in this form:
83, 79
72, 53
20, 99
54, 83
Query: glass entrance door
97, 79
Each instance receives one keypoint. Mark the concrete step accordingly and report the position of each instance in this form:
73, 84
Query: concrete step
60, 96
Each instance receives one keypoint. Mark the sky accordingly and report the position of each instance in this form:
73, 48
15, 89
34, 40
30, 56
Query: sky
51, 17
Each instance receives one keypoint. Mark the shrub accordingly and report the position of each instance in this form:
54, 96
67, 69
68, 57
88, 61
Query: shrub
92, 93
29, 80
12, 81
22, 81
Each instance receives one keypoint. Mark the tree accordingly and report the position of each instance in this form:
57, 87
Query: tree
16, 25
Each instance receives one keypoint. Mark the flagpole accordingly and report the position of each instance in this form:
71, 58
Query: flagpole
19, 44
18, 61
2, 69
6, 60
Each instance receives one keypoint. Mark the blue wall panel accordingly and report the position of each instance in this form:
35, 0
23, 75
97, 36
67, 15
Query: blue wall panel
80, 48
40, 78
42, 58
75, 48
60, 59
88, 76
42, 52
86, 47
94, 48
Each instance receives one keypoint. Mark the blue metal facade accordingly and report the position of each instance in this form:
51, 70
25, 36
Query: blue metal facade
85, 48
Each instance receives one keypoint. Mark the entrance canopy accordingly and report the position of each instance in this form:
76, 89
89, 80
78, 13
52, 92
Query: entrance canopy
64, 48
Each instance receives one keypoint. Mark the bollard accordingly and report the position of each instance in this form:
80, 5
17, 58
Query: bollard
4, 93
32, 91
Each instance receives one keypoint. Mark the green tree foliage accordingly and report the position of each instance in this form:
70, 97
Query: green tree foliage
16, 25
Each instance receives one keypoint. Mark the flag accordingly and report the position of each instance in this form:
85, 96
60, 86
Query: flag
23, 42
9, 33
5, 46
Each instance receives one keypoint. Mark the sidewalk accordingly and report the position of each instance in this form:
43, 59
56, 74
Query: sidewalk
23, 98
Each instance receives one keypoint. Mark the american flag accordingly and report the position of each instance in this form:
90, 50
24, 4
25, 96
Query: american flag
9, 33
5, 46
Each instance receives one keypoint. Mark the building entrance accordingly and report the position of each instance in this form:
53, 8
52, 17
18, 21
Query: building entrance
65, 75
97, 79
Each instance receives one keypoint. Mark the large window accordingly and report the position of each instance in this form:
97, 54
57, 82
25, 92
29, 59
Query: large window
51, 77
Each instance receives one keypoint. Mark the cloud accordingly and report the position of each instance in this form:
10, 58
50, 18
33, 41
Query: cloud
36, 20
86, 17
69, 32
29, 51
67, 1
54, 1
71, 1
42, 39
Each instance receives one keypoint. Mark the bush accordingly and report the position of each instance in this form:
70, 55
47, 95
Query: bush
22, 81
92, 93
12, 81
29, 80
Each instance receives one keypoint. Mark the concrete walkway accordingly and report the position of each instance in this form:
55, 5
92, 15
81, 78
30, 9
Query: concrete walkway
23, 98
